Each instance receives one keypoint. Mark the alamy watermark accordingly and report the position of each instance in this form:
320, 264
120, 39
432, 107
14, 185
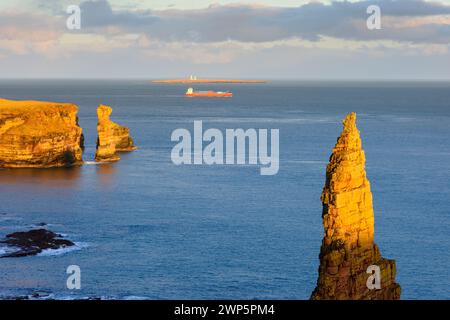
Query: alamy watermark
374, 280
73, 22
374, 20
240, 147
74, 279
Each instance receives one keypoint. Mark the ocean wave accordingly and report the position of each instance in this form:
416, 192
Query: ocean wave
5, 218
32, 296
99, 298
135, 298
306, 161
40, 295
269, 120
56, 252
95, 163
4, 250
394, 118
255, 120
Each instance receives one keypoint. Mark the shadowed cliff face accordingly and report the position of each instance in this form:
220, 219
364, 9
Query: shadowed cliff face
112, 138
39, 134
348, 248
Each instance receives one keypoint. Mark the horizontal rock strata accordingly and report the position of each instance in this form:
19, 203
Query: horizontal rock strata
112, 138
348, 247
39, 134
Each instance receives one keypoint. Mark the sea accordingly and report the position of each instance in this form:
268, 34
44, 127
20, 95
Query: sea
146, 228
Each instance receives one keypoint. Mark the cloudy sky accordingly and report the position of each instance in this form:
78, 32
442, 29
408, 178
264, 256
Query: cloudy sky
292, 39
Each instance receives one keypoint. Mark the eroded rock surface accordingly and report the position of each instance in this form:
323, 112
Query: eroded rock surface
39, 134
348, 247
112, 138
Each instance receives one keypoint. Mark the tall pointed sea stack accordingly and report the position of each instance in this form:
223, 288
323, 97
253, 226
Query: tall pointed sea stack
112, 138
348, 247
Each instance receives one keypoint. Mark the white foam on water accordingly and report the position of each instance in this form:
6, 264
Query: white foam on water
38, 226
45, 296
5, 218
85, 298
95, 163
91, 162
7, 250
135, 298
52, 296
64, 250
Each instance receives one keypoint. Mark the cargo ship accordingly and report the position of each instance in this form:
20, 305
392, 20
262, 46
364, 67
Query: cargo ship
191, 93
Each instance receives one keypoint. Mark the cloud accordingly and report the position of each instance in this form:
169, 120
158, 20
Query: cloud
22, 33
100, 14
308, 41
247, 23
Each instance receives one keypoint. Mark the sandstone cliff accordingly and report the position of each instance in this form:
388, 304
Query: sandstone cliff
39, 134
348, 247
112, 138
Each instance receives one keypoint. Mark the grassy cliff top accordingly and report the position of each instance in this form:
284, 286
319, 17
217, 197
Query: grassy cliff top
28, 117
32, 105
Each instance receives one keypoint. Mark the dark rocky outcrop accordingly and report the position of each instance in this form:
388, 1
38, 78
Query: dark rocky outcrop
29, 243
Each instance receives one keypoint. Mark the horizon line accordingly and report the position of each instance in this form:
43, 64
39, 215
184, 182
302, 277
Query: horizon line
255, 78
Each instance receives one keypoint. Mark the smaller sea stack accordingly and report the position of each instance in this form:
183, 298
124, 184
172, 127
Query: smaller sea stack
348, 247
112, 138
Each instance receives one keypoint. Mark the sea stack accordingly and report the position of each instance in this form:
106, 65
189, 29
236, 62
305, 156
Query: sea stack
348, 247
37, 134
112, 138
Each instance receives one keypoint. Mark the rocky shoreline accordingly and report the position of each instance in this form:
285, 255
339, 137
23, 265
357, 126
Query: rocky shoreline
40, 134
33, 242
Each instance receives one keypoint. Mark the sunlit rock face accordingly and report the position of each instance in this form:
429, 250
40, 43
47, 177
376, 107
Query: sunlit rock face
39, 134
348, 247
112, 138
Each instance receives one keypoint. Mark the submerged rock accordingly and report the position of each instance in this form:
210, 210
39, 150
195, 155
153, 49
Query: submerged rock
112, 138
39, 134
29, 243
348, 247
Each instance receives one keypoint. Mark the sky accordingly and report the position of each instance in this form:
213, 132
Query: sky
261, 39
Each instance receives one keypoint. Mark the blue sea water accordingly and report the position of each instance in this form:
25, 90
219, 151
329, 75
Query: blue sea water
149, 229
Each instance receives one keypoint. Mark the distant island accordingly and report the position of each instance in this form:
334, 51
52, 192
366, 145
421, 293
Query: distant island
193, 79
